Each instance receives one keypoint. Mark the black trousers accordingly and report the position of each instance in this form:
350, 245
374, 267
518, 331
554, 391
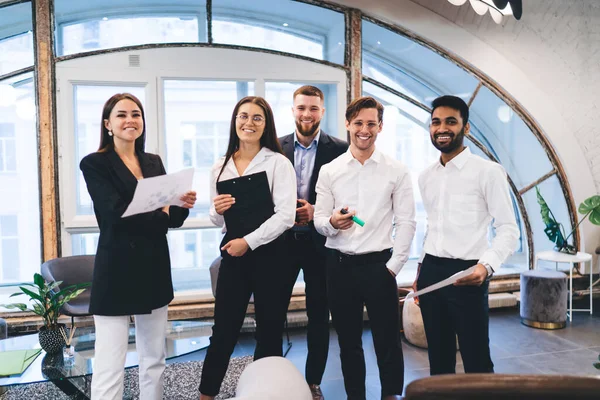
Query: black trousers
257, 272
352, 283
303, 254
454, 311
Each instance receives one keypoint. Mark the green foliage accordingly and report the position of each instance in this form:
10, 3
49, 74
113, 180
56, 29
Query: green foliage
597, 365
554, 230
45, 298
590, 207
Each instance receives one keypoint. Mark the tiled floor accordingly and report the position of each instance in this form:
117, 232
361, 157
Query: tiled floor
515, 348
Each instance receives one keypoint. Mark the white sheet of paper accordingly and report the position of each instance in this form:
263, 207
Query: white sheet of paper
160, 191
441, 284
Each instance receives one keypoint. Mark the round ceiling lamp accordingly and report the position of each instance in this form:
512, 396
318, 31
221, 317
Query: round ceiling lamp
498, 9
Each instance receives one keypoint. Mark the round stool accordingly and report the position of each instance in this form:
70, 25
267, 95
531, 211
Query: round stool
544, 299
272, 378
412, 324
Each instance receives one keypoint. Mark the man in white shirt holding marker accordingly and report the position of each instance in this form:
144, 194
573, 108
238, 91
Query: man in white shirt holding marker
363, 260
462, 194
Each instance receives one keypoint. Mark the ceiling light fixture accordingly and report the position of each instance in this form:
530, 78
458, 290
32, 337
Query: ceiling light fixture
498, 8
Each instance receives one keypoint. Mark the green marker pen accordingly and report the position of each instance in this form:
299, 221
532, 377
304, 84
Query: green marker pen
354, 217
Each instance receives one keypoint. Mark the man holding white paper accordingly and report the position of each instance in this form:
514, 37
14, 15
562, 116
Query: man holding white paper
462, 194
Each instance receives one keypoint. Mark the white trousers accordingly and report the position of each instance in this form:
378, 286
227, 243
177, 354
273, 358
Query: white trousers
111, 349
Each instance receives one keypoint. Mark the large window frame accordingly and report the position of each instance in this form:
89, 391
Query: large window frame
350, 67
158, 66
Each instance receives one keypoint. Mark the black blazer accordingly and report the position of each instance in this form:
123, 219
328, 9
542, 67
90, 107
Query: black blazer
328, 149
132, 270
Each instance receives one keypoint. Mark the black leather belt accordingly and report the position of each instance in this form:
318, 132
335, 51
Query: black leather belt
366, 258
298, 235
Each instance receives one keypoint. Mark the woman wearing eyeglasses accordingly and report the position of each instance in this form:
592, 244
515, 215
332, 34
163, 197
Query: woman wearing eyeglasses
251, 263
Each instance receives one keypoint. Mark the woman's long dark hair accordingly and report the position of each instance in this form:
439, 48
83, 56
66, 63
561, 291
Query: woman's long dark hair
107, 141
268, 138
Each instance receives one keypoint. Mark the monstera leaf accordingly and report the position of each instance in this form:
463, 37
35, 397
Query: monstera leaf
553, 228
591, 207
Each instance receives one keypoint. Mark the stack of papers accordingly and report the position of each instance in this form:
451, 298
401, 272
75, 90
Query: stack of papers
17, 361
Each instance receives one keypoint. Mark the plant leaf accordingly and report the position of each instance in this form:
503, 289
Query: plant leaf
68, 297
597, 365
20, 306
39, 280
552, 227
591, 206
31, 294
66, 291
39, 310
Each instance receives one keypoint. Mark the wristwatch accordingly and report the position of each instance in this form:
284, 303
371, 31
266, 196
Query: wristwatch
489, 270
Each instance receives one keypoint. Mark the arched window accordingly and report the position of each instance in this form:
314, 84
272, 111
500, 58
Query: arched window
189, 61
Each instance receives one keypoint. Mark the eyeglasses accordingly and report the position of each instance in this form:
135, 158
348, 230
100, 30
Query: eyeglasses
257, 119
371, 126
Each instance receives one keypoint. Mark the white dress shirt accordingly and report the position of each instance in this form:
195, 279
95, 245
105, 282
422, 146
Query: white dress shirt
461, 199
282, 181
380, 191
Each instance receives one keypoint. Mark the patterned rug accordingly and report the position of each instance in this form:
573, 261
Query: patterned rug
181, 383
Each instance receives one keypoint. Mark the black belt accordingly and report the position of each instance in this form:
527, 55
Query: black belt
366, 258
298, 235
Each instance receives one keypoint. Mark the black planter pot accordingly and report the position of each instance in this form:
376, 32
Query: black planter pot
51, 340
52, 366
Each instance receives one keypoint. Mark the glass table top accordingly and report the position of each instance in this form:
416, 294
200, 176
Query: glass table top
183, 337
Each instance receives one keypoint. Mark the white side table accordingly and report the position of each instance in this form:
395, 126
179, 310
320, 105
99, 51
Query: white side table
556, 257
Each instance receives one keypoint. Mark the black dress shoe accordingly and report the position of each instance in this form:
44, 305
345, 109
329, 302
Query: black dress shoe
315, 390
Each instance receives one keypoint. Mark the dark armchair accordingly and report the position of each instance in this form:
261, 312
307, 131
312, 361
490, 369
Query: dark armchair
503, 387
72, 270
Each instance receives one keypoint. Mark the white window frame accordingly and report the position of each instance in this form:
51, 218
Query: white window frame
158, 65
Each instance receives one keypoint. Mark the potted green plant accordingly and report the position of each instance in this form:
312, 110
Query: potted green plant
47, 299
590, 208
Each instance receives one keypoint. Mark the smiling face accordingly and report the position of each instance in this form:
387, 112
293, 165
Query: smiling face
308, 112
447, 130
250, 123
364, 128
125, 122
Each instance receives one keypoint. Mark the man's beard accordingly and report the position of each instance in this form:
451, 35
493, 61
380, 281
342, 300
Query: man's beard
456, 141
311, 131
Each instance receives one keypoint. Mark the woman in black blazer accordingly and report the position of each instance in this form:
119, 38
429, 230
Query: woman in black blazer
132, 271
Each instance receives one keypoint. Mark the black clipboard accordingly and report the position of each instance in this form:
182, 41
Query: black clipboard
253, 203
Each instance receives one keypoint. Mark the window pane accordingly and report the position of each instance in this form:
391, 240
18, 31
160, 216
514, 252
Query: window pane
405, 136
10, 259
19, 191
84, 243
192, 252
554, 197
89, 101
411, 68
291, 27
93, 25
16, 38
8, 225
505, 134
280, 97
197, 118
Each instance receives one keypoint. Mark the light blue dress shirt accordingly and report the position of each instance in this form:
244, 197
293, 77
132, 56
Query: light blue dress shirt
304, 164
